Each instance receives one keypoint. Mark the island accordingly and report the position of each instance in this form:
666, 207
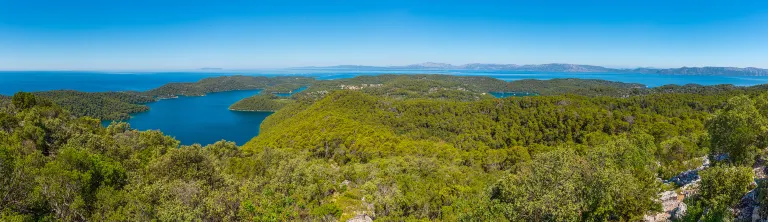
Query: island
559, 68
261, 103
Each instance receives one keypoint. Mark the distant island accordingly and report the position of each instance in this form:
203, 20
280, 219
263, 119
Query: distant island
561, 67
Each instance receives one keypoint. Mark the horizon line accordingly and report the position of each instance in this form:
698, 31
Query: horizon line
222, 69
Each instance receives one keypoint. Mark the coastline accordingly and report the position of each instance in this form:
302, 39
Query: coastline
249, 110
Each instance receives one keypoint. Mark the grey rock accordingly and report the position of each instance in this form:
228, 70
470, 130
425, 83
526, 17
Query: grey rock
361, 218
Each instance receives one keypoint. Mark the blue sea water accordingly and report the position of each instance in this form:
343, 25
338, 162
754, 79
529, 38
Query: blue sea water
202, 119
12, 82
207, 119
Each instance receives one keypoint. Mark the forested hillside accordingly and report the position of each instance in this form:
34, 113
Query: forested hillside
415, 86
106, 105
586, 87
224, 83
352, 154
522, 159
56, 167
261, 102
119, 105
283, 88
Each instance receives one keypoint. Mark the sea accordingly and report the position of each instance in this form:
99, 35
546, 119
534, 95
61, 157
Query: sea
207, 119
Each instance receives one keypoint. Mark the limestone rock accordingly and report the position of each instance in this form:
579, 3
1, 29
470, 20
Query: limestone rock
361, 218
680, 211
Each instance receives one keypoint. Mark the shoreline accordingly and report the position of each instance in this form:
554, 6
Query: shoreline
249, 110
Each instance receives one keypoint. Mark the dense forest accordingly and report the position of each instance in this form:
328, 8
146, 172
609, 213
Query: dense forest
101, 105
465, 88
225, 83
119, 105
401, 148
494, 155
261, 102
282, 88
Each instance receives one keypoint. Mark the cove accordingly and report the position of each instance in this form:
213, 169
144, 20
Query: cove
202, 119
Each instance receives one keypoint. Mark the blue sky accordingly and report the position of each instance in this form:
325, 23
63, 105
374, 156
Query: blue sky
167, 35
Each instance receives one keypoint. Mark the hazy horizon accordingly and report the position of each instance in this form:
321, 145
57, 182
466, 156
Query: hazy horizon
248, 35
225, 69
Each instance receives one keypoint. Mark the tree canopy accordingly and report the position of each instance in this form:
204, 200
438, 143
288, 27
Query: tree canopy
413, 148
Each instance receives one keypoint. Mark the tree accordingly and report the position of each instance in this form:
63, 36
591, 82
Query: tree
724, 186
24, 100
548, 188
738, 130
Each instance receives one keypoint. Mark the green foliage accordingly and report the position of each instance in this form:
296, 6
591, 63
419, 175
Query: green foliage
264, 102
762, 195
101, 105
23, 100
595, 87
496, 135
612, 182
415, 148
282, 88
738, 130
224, 83
118, 105
721, 188
444, 87
724, 186
587, 87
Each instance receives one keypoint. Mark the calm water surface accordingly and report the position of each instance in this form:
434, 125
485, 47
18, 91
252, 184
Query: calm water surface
207, 119
204, 119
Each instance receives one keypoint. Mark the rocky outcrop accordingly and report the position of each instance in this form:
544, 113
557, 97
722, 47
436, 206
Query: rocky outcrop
361, 218
680, 211
690, 176
672, 206
748, 208
671, 201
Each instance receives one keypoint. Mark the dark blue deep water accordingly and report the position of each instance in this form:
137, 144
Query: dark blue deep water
203, 119
207, 119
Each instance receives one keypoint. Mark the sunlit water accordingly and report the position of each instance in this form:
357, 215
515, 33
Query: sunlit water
204, 119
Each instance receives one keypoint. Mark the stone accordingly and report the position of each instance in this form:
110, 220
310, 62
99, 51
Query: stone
680, 211
361, 218
657, 217
669, 200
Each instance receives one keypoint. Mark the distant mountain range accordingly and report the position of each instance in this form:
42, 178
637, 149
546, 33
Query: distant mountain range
560, 67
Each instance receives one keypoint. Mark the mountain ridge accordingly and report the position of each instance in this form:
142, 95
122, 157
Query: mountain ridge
561, 67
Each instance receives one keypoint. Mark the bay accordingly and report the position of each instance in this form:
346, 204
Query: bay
207, 119
202, 119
